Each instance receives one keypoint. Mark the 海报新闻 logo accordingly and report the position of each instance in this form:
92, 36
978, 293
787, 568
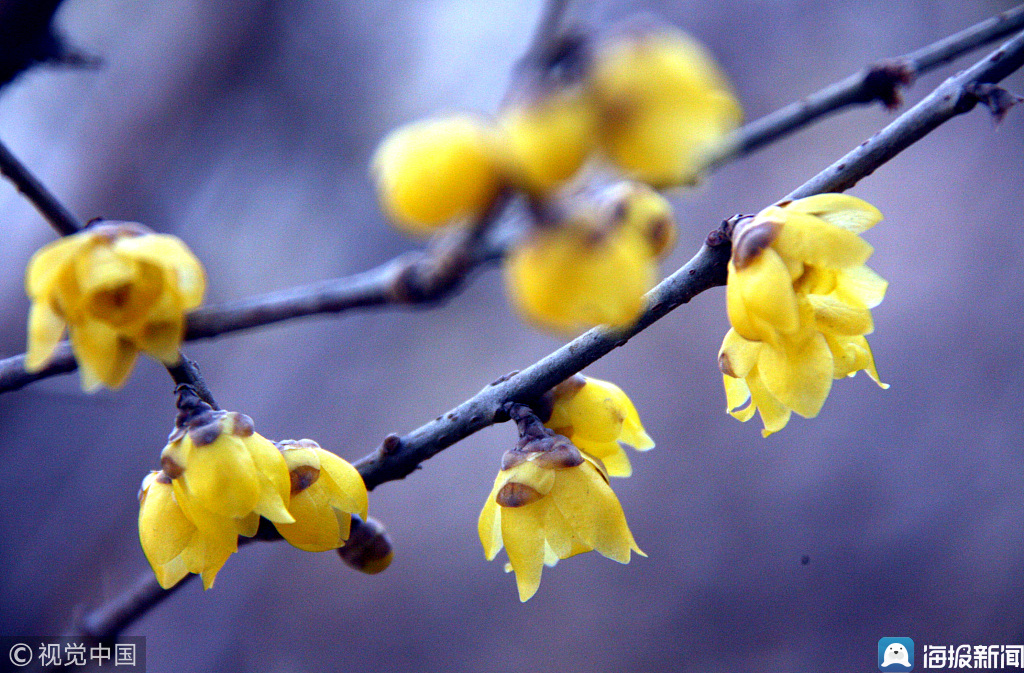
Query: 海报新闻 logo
895, 654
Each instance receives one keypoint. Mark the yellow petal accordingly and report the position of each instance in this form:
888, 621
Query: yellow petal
103, 356
633, 432
774, 415
349, 493
591, 413
736, 394
851, 355
817, 242
522, 529
316, 526
737, 356
610, 453
162, 340
818, 280
860, 286
164, 531
45, 328
834, 316
841, 210
248, 525
50, 261
799, 374
121, 293
489, 523
559, 535
170, 573
222, 477
766, 290
274, 480
566, 281
540, 479
591, 508
185, 273
549, 137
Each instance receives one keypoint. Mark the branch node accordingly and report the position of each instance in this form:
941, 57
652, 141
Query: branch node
998, 100
882, 82
503, 378
390, 445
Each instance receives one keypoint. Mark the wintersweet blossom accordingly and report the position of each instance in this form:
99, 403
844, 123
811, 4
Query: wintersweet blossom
118, 289
218, 478
598, 418
325, 492
550, 502
173, 544
799, 299
665, 101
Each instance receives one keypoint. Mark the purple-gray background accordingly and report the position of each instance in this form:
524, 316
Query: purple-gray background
245, 128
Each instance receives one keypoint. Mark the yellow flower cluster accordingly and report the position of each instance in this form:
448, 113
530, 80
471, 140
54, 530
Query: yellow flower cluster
219, 477
650, 101
119, 289
645, 103
799, 298
552, 498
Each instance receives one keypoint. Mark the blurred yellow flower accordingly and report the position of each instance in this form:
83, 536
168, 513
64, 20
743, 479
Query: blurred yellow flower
435, 172
550, 502
594, 262
597, 417
799, 298
665, 104
325, 492
549, 136
118, 288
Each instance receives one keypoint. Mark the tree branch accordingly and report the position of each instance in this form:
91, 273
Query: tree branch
397, 457
59, 217
434, 275
879, 82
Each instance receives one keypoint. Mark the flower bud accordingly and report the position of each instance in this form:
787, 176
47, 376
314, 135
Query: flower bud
434, 172
368, 548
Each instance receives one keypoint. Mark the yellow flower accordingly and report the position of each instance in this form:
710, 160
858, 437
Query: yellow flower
219, 477
665, 103
550, 502
434, 172
325, 492
173, 544
597, 417
594, 264
799, 299
549, 136
219, 463
118, 288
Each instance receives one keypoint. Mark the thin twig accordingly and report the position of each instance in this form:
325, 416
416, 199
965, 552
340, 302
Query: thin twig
59, 217
551, 24
397, 457
880, 82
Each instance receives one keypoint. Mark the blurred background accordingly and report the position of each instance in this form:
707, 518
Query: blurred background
245, 128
